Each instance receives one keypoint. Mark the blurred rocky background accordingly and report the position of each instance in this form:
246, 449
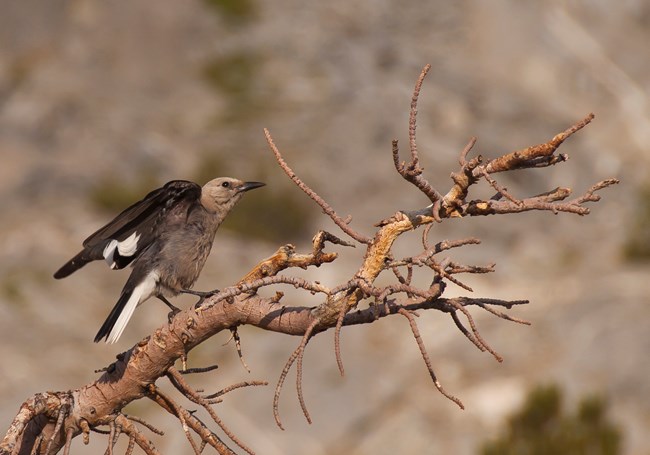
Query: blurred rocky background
102, 101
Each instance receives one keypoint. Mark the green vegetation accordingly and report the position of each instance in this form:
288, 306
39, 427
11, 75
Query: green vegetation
11, 290
18, 279
113, 196
210, 166
637, 244
541, 427
232, 74
235, 77
234, 11
277, 215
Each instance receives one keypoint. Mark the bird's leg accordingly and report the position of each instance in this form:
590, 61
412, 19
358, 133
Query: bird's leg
174, 310
201, 294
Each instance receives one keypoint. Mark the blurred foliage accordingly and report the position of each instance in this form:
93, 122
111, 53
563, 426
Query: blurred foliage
637, 243
235, 78
277, 215
113, 196
210, 167
542, 428
19, 71
232, 75
570, 257
11, 290
18, 279
234, 11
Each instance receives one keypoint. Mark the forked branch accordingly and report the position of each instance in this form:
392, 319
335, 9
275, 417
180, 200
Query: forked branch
48, 422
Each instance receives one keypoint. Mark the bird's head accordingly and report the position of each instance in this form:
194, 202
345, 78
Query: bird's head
221, 194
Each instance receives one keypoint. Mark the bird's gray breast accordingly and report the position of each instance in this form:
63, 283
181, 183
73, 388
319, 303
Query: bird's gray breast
183, 252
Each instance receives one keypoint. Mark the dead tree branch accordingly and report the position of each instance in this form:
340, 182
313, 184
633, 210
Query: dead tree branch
48, 422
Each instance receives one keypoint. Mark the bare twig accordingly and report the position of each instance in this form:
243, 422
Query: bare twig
179, 382
301, 396
499, 189
341, 223
37, 444
132, 431
62, 414
425, 357
475, 331
131, 446
501, 314
337, 339
244, 287
425, 236
235, 336
526, 158
145, 424
232, 387
411, 172
199, 370
589, 195
464, 331
447, 305
181, 413
413, 114
286, 257
283, 375
199, 427
111, 439
68, 441
547, 201
85, 430
440, 269
468, 148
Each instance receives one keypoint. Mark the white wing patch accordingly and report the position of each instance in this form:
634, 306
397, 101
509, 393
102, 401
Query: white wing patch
129, 246
142, 292
125, 248
109, 251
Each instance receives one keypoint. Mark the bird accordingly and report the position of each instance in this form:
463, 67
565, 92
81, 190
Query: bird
166, 237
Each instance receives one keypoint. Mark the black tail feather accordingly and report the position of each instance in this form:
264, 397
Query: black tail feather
110, 321
74, 264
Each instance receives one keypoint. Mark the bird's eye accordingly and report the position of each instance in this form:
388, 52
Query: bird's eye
226, 184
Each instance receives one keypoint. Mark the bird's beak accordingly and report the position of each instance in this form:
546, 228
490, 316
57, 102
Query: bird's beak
246, 186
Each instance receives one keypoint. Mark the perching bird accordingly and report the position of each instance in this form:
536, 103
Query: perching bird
167, 236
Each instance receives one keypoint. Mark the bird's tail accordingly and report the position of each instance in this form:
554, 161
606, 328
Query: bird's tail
134, 293
74, 264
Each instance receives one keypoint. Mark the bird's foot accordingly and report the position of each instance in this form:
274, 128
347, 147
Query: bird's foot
202, 295
174, 310
171, 314
169, 304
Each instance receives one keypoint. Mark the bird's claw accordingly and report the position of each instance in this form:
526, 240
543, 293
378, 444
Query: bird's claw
171, 314
202, 295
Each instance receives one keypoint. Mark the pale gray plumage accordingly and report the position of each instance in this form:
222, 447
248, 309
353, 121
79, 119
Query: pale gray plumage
166, 237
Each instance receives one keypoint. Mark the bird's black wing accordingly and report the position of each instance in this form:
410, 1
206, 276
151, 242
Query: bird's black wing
125, 237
